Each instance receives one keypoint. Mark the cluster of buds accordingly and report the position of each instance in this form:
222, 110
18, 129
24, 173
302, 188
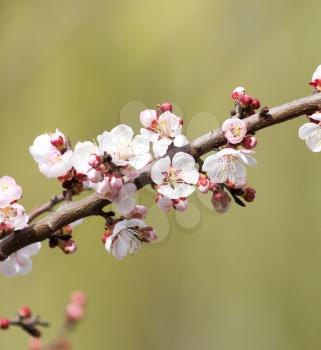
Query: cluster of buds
166, 204
245, 105
24, 320
74, 313
63, 239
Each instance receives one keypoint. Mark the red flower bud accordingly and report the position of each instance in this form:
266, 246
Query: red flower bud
249, 194
57, 141
166, 107
25, 312
256, 103
4, 323
249, 142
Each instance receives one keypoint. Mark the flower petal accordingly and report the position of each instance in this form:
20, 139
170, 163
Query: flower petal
158, 169
313, 141
307, 129
181, 160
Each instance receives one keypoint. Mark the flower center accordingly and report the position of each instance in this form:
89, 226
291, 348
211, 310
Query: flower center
172, 176
236, 131
162, 128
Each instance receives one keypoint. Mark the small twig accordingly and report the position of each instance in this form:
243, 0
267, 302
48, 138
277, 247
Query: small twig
45, 207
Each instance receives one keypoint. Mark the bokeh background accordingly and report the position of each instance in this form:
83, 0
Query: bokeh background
247, 280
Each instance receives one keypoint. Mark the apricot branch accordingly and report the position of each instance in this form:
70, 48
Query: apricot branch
94, 203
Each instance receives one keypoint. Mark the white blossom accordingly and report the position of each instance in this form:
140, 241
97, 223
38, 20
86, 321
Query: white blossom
127, 236
124, 148
228, 165
176, 178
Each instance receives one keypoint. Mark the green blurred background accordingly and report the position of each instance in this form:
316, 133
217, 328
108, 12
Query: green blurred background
247, 280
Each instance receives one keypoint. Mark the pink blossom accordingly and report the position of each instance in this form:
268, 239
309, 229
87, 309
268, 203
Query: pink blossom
234, 130
203, 183
180, 204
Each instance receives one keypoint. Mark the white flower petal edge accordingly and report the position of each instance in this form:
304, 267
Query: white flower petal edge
81, 155
311, 133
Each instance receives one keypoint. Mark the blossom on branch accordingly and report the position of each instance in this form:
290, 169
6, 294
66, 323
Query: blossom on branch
51, 154
229, 165
162, 130
234, 130
124, 148
175, 178
127, 236
316, 79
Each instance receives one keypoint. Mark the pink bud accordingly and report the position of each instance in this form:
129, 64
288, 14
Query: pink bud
95, 161
149, 234
249, 194
78, 298
4, 323
245, 100
249, 142
139, 212
237, 92
166, 107
35, 344
69, 247
256, 103
221, 201
203, 183
95, 176
74, 312
164, 203
25, 312
180, 204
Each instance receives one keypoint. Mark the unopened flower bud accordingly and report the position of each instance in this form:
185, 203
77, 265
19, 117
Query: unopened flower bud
68, 247
35, 344
256, 103
237, 92
166, 107
203, 183
214, 187
249, 194
25, 312
95, 161
221, 201
74, 312
78, 298
180, 204
149, 234
245, 100
249, 142
164, 203
139, 212
95, 176
4, 323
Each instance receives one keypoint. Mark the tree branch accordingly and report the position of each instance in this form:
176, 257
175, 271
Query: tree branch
93, 204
